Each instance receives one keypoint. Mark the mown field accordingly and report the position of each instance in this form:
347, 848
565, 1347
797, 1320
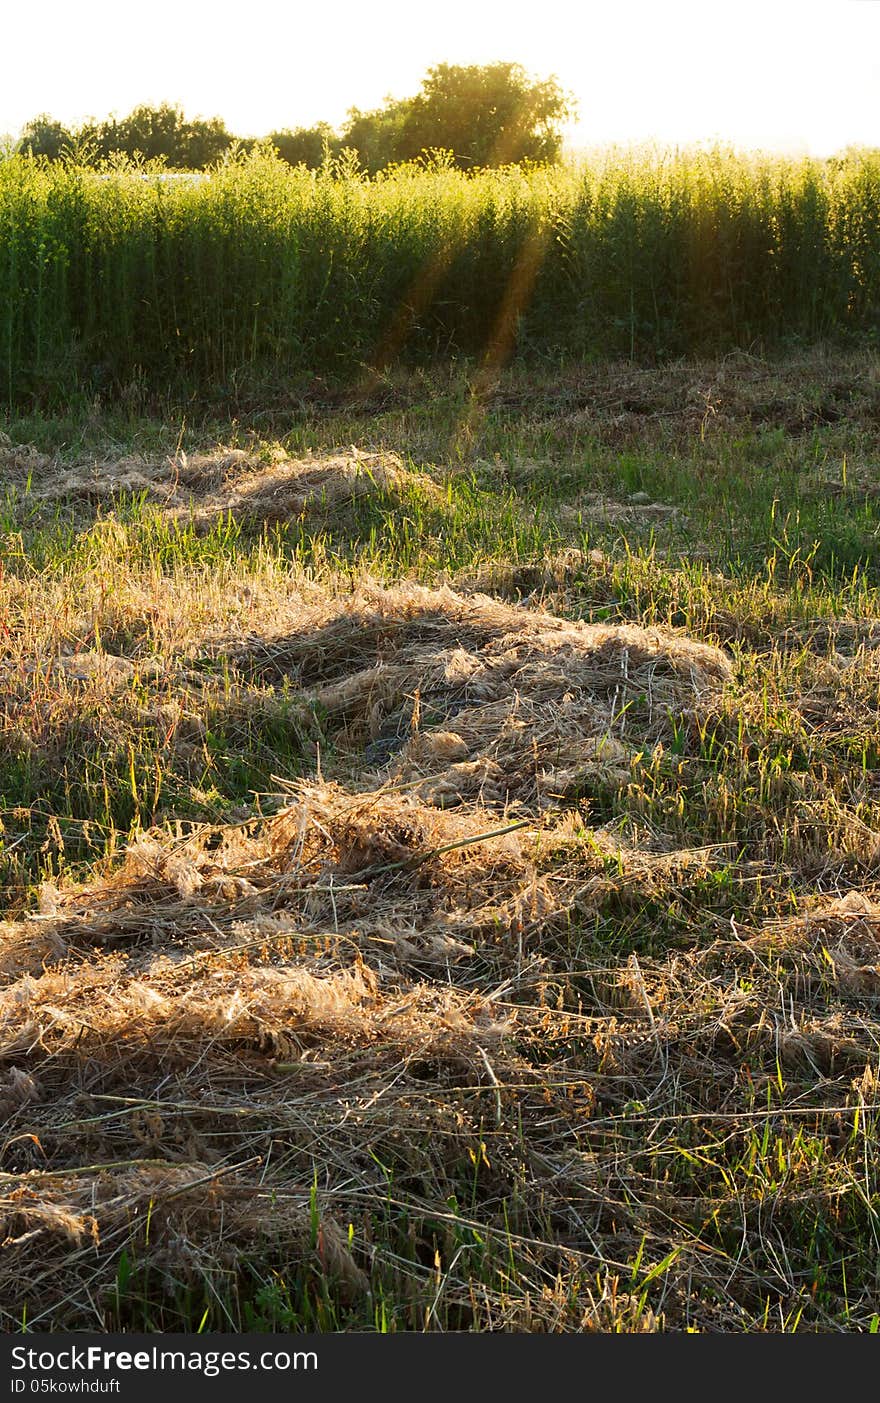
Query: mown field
440, 833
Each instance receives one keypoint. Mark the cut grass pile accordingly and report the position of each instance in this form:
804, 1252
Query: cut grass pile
442, 874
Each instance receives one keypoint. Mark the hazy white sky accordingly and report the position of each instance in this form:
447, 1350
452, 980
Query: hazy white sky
781, 74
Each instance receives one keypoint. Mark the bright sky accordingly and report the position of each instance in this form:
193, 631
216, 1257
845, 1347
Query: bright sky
778, 74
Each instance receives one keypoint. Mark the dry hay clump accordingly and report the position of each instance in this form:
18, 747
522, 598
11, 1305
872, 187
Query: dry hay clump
333, 985
22, 462
165, 480
289, 489
203, 486
229, 993
107, 672
364, 978
383, 871
158, 1012
66, 1231
832, 945
473, 699
637, 510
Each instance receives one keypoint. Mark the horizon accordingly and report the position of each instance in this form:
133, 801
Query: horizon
682, 77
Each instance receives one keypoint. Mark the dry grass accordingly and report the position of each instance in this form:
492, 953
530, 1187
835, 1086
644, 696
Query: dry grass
527, 979
483, 699
711, 398
207, 486
301, 967
339, 988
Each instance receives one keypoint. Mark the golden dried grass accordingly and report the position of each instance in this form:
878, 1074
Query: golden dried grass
383, 971
490, 702
204, 486
290, 971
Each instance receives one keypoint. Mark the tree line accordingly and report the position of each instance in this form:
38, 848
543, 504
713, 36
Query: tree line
484, 116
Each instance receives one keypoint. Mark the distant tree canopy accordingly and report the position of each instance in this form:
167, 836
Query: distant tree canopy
43, 136
165, 133
306, 146
147, 133
489, 115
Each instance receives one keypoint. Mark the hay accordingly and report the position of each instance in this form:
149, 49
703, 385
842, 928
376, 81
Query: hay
60, 1226
315, 1011
637, 510
291, 489
205, 486
835, 942
21, 463
363, 977
338, 981
488, 702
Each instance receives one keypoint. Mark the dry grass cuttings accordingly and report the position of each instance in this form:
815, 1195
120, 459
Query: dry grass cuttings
205, 486
108, 671
301, 1021
637, 510
22, 462
179, 1225
382, 870
687, 400
390, 971
161, 1013
247, 1022
835, 944
473, 699
382, 956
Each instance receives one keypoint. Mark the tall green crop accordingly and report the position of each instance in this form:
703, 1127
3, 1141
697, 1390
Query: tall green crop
258, 271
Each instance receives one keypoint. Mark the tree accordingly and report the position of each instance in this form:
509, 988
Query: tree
206, 142
485, 115
306, 146
489, 115
43, 136
150, 133
377, 136
164, 133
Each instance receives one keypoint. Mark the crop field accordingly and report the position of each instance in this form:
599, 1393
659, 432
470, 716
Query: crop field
124, 283
440, 842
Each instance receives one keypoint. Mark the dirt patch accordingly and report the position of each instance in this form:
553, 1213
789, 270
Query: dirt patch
620, 402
